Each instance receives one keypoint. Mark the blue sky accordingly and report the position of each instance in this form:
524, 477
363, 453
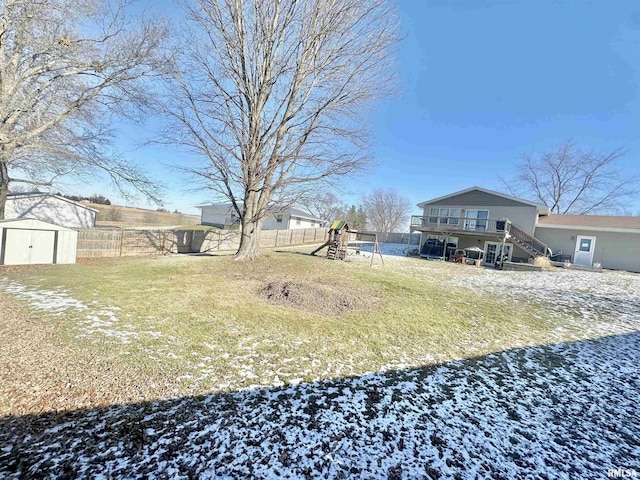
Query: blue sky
482, 82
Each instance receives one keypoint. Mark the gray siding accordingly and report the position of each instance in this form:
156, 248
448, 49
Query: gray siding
476, 197
614, 250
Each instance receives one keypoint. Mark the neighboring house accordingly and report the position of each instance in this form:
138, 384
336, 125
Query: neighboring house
50, 208
223, 215
494, 222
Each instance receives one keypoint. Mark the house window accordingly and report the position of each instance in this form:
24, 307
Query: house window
476, 219
278, 218
434, 215
297, 221
447, 216
454, 214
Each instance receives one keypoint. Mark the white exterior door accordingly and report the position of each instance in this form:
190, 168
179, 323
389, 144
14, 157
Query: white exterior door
492, 250
28, 247
585, 247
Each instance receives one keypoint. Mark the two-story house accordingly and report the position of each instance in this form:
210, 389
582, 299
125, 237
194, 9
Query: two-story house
494, 222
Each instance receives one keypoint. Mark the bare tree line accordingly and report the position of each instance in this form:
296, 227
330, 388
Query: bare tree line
571, 180
381, 210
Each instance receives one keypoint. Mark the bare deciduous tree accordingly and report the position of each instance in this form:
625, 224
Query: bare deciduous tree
570, 180
113, 214
386, 210
324, 205
272, 95
65, 67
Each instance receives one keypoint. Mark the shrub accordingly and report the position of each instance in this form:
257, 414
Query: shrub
543, 262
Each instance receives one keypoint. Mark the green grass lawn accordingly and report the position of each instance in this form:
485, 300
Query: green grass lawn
205, 322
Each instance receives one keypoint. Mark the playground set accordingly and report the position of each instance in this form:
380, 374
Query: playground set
341, 238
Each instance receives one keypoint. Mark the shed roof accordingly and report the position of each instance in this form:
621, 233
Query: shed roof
32, 224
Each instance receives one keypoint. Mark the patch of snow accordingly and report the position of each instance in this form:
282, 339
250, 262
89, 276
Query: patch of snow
392, 249
563, 411
92, 321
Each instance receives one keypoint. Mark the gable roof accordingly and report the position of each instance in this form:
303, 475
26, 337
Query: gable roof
541, 208
600, 222
44, 194
295, 212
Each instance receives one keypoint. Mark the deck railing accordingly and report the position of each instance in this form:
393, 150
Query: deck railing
524, 239
481, 225
489, 225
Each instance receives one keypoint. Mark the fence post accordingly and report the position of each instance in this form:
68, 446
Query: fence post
276, 242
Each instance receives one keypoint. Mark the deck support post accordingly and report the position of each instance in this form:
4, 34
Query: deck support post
444, 251
504, 239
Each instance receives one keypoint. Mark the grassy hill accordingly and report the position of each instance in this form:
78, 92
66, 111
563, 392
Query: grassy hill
117, 216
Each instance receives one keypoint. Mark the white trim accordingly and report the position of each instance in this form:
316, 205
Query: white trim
483, 190
593, 229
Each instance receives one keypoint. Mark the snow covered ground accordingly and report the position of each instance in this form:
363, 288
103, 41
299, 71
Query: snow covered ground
567, 410
95, 319
393, 249
587, 303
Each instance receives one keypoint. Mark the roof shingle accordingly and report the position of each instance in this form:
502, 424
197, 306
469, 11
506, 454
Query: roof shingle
598, 221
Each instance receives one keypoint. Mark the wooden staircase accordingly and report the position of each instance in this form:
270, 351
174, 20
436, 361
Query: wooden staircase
526, 242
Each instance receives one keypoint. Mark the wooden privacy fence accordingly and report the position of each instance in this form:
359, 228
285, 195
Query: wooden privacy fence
95, 243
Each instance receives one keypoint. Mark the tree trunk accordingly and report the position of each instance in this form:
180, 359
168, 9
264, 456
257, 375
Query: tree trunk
249, 239
4, 187
251, 226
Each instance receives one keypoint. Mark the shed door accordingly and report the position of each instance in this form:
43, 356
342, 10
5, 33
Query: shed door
16, 247
27, 247
42, 246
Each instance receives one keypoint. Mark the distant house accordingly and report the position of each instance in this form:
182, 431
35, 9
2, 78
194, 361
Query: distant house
223, 215
491, 221
50, 208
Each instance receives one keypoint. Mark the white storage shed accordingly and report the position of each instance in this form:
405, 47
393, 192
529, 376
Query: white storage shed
32, 242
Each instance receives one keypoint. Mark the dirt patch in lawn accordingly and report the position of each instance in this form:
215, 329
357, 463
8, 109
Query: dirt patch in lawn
316, 297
